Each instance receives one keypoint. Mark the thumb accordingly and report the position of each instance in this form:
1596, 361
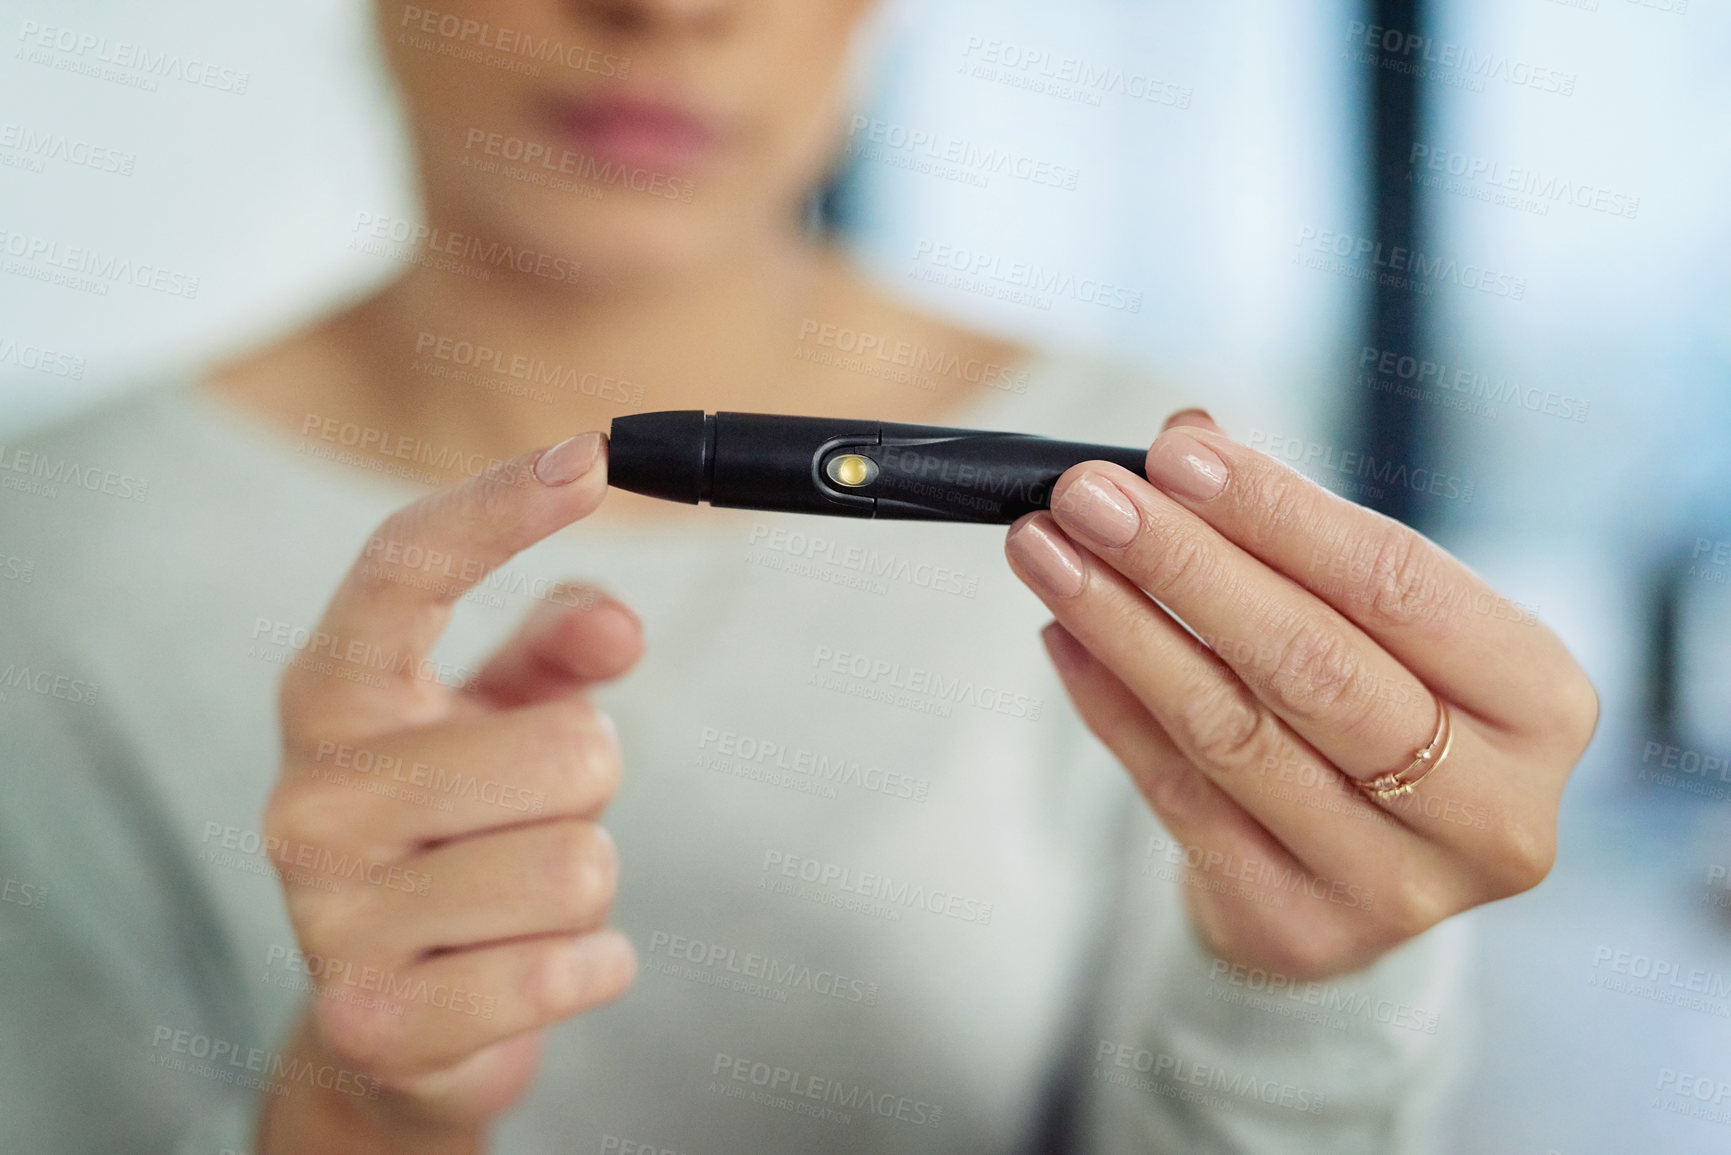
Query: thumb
579, 636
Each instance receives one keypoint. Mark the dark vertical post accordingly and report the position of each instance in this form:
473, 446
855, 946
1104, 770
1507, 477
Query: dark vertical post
1391, 427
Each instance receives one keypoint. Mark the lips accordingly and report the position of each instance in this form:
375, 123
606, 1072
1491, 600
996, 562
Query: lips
637, 133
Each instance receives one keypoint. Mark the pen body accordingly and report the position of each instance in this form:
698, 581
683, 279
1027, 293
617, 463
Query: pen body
842, 467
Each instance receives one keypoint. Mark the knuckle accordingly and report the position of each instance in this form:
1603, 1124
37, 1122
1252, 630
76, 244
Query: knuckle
1576, 706
1280, 498
299, 810
1180, 564
1402, 587
569, 978
488, 497
359, 1036
555, 984
1526, 853
581, 868
1226, 729
583, 751
1319, 674
1409, 902
1309, 948
1174, 792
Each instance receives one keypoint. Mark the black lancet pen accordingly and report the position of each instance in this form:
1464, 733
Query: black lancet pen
843, 467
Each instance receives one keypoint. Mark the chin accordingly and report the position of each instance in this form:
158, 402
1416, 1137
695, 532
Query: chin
615, 234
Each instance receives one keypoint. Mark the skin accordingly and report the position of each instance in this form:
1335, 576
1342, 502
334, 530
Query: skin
1335, 628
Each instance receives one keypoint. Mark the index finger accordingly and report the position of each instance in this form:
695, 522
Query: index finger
1437, 617
388, 612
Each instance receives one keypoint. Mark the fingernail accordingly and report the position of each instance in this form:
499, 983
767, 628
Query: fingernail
568, 460
1049, 557
1190, 417
1099, 509
1185, 467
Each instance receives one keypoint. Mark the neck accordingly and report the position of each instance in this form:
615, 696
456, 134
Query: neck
517, 360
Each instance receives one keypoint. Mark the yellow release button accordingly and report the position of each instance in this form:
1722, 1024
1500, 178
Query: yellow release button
851, 469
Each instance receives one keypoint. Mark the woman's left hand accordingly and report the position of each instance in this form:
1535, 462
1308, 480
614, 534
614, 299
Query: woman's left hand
1333, 635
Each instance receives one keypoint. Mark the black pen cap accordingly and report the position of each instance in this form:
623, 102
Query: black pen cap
669, 454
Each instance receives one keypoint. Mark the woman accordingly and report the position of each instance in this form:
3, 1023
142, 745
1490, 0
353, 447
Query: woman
877, 886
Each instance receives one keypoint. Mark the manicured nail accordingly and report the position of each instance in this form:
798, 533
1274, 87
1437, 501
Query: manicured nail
1050, 558
1184, 467
569, 460
1192, 416
1100, 510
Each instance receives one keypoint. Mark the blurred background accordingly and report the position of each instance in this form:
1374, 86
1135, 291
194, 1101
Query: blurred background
1482, 244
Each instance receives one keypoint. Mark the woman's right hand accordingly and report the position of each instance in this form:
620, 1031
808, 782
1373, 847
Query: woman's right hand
444, 939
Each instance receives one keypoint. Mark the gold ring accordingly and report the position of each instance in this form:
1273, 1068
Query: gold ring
1395, 783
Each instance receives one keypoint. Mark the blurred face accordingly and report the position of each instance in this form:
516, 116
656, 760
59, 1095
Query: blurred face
630, 135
